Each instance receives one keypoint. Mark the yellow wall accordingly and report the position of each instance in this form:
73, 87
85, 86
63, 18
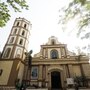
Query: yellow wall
76, 70
6, 66
86, 69
21, 70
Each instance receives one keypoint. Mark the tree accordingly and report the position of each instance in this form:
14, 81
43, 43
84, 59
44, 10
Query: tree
78, 10
81, 80
5, 7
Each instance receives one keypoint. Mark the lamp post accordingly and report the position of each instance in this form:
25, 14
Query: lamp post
30, 59
30, 64
23, 85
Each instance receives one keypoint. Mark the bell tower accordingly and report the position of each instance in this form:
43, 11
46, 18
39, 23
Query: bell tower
17, 42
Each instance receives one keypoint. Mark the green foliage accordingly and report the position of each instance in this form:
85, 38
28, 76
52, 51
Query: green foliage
81, 80
16, 5
4, 15
79, 9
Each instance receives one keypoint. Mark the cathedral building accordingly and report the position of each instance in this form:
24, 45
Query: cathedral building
54, 67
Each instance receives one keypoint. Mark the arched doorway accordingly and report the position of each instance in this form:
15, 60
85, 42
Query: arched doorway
56, 80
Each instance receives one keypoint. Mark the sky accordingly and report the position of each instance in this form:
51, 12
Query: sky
44, 17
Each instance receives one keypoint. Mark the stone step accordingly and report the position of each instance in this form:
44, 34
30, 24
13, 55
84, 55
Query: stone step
13, 88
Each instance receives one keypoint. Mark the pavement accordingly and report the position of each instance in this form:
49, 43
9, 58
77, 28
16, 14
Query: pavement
80, 89
74, 89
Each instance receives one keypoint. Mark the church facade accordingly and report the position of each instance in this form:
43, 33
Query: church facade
54, 67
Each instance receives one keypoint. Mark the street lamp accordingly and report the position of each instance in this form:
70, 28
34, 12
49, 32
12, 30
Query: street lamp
23, 85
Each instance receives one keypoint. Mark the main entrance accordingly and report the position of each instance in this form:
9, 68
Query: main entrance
55, 80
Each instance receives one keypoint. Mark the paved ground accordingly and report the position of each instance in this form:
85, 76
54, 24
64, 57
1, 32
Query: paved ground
12, 88
73, 89
79, 89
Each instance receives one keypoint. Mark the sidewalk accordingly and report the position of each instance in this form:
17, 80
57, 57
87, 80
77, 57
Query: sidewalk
80, 89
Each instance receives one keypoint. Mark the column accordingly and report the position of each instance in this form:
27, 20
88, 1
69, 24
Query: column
46, 76
40, 76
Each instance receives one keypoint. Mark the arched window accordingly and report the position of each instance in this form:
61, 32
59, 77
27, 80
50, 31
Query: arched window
53, 42
54, 54
17, 23
25, 25
34, 72
7, 53
15, 31
23, 32
18, 53
21, 41
12, 39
